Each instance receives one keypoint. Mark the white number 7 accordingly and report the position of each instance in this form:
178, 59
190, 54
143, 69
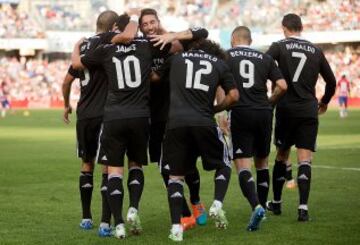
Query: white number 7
300, 66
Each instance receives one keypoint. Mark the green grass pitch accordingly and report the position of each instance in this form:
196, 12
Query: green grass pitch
39, 201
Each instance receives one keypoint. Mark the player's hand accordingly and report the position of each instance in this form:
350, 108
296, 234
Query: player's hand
162, 39
67, 111
224, 124
322, 108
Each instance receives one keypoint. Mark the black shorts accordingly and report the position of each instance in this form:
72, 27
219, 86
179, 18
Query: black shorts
157, 131
122, 136
182, 146
87, 134
301, 132
250, 133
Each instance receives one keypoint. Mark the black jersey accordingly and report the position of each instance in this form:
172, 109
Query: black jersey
194, 78
159, 92
93, 82
127, 68
301, 62
251, 70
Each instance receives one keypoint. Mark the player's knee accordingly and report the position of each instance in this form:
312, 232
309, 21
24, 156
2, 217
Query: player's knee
87, 167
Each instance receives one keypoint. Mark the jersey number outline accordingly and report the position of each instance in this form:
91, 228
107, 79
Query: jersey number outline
86, 79
123, 72
195, 81
249, 75
300, 66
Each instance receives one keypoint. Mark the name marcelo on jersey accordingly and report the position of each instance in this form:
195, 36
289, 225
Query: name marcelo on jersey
197, 55
300, 46
246, 54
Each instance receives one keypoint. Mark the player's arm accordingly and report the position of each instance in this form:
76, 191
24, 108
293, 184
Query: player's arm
279, 83
330, 81
66, 88
175, 37
75, 56
227, 83
129, 32
91, 59
274, 51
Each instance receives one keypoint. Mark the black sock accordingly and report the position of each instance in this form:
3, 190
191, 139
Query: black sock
193, 182
247, 185
135, 186
86, 189
115, 197
185, 208
165, 177
222, 179
175, 197
288, 174
303, 180
263, 181
105, 211
278, 180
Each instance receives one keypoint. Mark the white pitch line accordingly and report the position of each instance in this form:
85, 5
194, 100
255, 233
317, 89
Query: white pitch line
330, 167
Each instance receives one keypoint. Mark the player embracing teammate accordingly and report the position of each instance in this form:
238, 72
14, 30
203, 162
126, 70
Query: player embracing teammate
185, 76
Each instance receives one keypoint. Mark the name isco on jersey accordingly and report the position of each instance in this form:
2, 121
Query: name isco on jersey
125, 49
246, 54
197, 55
307, 48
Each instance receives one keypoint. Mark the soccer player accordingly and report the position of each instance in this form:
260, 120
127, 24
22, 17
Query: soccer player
191, 128
5, 104
297, 112
126, 120
159, 104
90, 108
251, 118
343, 86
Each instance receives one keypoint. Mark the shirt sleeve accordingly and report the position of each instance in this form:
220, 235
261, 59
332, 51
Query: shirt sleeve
274, 51
94, 57
227, 80
107, 36
275, 73
329, 78
73, 72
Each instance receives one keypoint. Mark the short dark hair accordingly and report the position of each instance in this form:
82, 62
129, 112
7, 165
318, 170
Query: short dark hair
292, 22
122, 21
147, 11
209, 47
242, 32
106, 20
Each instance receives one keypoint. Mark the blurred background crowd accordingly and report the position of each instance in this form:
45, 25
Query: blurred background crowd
40, 78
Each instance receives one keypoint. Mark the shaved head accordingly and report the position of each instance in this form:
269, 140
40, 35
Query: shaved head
241, 35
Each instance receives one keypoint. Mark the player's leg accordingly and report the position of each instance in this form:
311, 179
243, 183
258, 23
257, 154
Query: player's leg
345, 106
193, 181
85, 149
262, 179
305, 144
114, 143
341, 106
104, 227
290, 182
215, 156
137, 154
283, 141
3, 109
115, 197
178, 155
